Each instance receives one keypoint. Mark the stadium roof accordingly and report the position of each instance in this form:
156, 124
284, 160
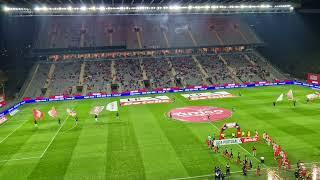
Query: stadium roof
31, 3
100, 7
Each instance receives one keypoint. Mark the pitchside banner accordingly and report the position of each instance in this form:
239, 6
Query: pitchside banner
313, 78
224, 142
27, 100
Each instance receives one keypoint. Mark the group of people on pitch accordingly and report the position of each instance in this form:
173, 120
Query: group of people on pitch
278, 152
228, 154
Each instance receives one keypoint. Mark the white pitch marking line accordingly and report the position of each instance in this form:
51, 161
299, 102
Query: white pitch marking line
18, 159
241, 147
13, 131
53, 137
207, 175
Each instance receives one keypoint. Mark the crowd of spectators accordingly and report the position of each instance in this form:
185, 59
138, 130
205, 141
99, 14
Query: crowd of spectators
97, 76
187, 70
246, 69
66, 75
215, 69
158, 72
129, 74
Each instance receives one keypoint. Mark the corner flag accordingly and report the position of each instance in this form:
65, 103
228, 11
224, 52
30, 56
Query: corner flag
113, 106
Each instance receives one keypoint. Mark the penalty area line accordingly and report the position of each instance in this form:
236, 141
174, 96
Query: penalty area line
54, 137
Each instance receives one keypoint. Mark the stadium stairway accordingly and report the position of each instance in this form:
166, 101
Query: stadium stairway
166, 39
139, 39
81, 76
48, 81
203, 72
216, 34
173, 71
84, 90
231, 70
192, 38
110, 39
144, 73
53, 36
277, 74
113, 72
25, 88
82, 33
242, 35
247, 58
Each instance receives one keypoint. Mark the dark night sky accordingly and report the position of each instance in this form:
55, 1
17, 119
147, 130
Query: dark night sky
292, 42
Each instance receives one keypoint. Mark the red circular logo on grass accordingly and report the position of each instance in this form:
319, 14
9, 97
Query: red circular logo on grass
199, 114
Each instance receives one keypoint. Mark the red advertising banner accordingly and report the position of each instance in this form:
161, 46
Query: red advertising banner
313, 78
249, 139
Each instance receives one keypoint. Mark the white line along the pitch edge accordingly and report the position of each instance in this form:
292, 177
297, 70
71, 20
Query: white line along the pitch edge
18, 159
241, 147
13, 131
208, 175
53, 137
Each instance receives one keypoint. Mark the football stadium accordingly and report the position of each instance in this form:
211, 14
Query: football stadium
159, 89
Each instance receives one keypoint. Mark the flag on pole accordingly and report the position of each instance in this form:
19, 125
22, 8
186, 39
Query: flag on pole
37, 114
113, 106
97, 110
290, 95
71, 112
53, 113
280, 98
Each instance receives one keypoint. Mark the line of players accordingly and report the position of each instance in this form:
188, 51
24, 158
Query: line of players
278, 153
228, 154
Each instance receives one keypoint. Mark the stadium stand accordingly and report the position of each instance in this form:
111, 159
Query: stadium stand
158, 72
128, 74
216, 70
143, 32
38, 81
98, 76
187, 71
65, 78
132, 73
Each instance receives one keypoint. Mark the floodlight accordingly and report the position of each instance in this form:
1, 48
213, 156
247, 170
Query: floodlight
83, 8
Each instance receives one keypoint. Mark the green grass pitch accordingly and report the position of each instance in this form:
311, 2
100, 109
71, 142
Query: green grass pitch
145, 144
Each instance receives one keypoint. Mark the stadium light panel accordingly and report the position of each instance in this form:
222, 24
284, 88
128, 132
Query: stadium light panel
102, 8
6, 9
37, 8
44, 8
214, 8
83, 8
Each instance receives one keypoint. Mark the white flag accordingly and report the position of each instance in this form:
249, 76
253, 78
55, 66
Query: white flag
280, 98
71, 112
113, 106
290, 95
97, 110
